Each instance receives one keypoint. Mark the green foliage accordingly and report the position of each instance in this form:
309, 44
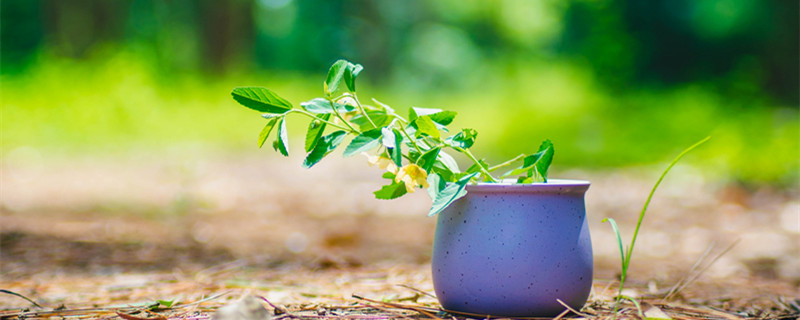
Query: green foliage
262, 137
281, 144
324, 106
165, 303
428, 159
464, 139
323, 147
365, 141
391, 191
342, 70
261, 99
350, 75
608, 97
396, 152
446, 166
425, 126
315, 130
443, 193
419, 140
147, 111
535, 166
379, 119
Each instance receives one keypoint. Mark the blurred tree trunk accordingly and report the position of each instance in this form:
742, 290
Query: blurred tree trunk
74, 27
376, 49
226, 33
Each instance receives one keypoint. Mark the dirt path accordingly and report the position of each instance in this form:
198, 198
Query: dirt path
101, 232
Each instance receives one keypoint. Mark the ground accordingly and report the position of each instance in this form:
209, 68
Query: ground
88, 235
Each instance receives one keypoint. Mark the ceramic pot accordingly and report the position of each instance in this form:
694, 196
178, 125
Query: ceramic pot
514, 250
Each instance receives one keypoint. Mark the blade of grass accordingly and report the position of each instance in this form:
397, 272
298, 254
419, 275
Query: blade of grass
21, 296
635, 303
619, 240
652, 192
626, 256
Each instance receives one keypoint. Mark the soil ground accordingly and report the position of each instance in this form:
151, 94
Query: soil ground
119, 232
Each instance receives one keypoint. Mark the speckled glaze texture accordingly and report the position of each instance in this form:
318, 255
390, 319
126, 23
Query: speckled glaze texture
513, 250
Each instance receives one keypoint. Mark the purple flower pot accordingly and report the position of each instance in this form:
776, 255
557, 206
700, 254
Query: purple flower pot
514, 250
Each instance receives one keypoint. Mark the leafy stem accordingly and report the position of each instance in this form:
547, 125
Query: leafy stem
484, 170
517, 158
413, 141
361, 108
390, 111
417, 147
339, 115
330, 123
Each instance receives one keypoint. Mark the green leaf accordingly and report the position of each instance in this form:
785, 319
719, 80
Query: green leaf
437, 115
464, 139
428, 159
386, 107
525, 180
282, 143
435, 185
315, 130
543, 164
619, 241
166, 303
323, 106
535, 166
444, 172
325, 146
364, 142
415, 112
261, 99
445, 195
424, 125
342, 70
381, 119
335, 75
265, 132
397, 152
350, 74
449, 162
438, 166
520, 170
443, 117
391, 191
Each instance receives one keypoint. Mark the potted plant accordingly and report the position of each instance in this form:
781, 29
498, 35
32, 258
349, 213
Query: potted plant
513, 244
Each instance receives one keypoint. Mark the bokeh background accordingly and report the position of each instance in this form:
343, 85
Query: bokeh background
612, 83
122, 150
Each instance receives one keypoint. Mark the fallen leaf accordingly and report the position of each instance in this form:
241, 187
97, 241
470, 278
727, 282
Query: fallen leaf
654, 313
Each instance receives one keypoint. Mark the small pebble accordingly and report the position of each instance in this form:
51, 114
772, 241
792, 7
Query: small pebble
246, 308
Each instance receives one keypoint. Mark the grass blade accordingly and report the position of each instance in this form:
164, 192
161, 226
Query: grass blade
652, 192
619, 239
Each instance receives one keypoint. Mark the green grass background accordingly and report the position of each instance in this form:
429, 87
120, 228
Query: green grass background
120, 104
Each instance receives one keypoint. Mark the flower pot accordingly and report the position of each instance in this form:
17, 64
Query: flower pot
514, 250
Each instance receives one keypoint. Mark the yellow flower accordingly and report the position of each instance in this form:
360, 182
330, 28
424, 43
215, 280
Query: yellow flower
382, 162
412, 175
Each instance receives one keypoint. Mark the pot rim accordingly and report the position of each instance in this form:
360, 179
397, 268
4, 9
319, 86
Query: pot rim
552, 185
